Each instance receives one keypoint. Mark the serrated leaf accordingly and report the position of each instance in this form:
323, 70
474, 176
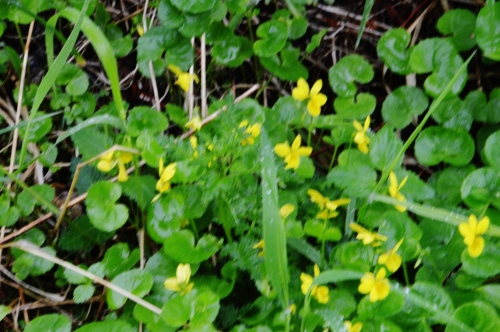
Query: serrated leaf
107, 326
141, 189
26, 201
83, 293
136, 281
81, 235
49, 323
103, 212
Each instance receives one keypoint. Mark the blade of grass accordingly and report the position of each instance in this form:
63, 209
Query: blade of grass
273, 226
23, 124
50, 78
362, 25
99, 119
305, 249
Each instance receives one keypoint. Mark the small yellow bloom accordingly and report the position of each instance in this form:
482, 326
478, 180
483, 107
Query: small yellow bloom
391, 259
320, 293
328, 208
376, 285
194, 123
110, 160
471, 232
286, 210
193, 140
292, 309
366, 236
180, 283
292, 154
349, 327
184, 79
316, 99
166, 174
259, 245
394, 189
252, 132
361, 139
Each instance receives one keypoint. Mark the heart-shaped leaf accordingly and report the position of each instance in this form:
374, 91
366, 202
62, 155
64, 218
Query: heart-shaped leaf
103, 212
482, 187
136, 281
356, 107
453, 113
487, 38
402, 105
180, 246
273, 35
350, 69
461, 24
392, 49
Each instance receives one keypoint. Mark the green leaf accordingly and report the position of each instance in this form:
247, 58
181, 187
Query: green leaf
286, 66
350, 157
476, 102
10, 217
315, 41
357, 180
104, 119
384, 148
168, 15
366, 14
39, 128
155, 41
461, 24
107, 326
193, 6
355, 256
103, 212
4, 311
449, 183
119, 259
491, 151
48, 154
195, 25
350, 69
27, 200
484, 266
402, 105
356, 107
165, 216
453, 113
487, 38
481, 188
232, 51
392, 49
49, 323
89, 148
83, 293
140, 189
388, 307
438, 144
74, 78
143, 118
273, 35
490, 293
297, 27
180, 247
28, 264
177, 310
477, 316
206, 308
151, 148
430, 301
81, 235
440, 57
76, 278
136, 281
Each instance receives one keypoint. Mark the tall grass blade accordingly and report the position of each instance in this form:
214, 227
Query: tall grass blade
362, 25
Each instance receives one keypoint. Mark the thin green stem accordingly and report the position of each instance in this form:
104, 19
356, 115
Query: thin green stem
405, 272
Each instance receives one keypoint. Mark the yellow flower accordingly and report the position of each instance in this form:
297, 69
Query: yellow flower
394, 189
194, 123
193, 140
391, 259
320, 293
292, 154
366, 236
259, 245
349, 327
292, 309
180, 283
361, 139
471, 232
166, 174
252, 132
109, 161
183, 79
328, 208
286, 210
316, 99
376, 285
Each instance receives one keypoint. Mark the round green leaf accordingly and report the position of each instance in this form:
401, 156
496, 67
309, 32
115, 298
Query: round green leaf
232, 51
297, 27
273, 35
195, 25
477, 315
491, 113
449, 183
357, 180
453, 113
165, 216
402, 105
384, 148
74, 78
145, 118
193, 6
206, 308
461, 24
356, 107
287, 65
484, 266
168, 15
39, 128
438, 144
180, 54
491, 150
482, 187
107, 326
355, 256
476, 102
155, 41
388, 307
350, 69
487, 38
136, 281
177, 310
180, 247
49, 323
103, 212
392, 49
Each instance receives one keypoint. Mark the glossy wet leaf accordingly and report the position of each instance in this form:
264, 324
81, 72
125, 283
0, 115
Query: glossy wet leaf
118, 259
355, 256
476, 102
194, 25
460, 23
349, 70
491, 150
392, 49
435, 303
144, 118
273, 35
136, 281
453, 113
103, 212
384, 149
180, 246
477, 315
165, 216
357, 107
232, 51
193, 6
403, 105
438, 144
482, 187
490, 112
49, 323
169, 15
487, 38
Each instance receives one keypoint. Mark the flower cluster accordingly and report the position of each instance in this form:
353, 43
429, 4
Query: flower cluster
328, 208
350, 327
361, 139
320, 293
373, 238
180, 283
394, 189
471, 232
113, 158
184, 79
251, 132
194, 123
166, 174
316, 99
292, 154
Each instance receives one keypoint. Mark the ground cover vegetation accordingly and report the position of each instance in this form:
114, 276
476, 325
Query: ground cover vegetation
249, 165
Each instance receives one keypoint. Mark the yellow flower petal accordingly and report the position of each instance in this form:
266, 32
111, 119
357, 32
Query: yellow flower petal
286, 210
475, 248
483, 225
183, 273
176, 70
122, 172
194, 124
316, 88
301, 92
306, 282
322, 294
282, 149
172, 284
